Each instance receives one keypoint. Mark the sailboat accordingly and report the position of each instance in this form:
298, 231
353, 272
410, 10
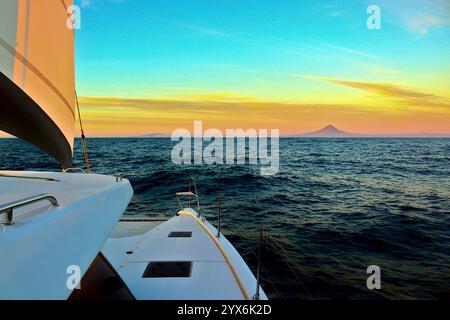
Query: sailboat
63, 234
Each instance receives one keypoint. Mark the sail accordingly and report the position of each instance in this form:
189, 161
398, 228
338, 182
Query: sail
37, 77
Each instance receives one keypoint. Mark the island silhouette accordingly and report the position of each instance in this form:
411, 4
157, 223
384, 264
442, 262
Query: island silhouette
329, 131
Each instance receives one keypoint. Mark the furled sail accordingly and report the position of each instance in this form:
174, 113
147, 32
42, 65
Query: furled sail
37, 81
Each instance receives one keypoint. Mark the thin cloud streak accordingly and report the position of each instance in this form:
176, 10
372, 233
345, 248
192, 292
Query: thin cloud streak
349, 50
302, 49
403, 95
203, 30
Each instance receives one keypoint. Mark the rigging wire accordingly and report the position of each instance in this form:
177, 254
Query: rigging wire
309, 256
83, 138
267, 277
290, 263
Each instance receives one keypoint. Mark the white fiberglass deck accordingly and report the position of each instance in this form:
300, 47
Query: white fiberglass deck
45, 240
211, 276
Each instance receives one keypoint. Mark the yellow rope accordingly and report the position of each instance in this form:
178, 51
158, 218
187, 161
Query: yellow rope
222, 251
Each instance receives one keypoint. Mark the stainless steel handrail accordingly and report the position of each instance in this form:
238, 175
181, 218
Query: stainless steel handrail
27, 177
190, 194
7, 209
73, 170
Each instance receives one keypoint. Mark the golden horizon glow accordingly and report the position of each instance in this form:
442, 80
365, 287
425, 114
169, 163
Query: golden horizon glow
366, 108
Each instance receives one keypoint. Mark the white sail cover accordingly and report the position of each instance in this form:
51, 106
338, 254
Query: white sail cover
37, 81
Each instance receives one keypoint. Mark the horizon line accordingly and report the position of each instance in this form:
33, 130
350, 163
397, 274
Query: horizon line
352, 136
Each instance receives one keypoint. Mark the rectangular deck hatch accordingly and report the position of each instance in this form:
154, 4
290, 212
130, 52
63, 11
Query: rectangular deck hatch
180, 234
168, 269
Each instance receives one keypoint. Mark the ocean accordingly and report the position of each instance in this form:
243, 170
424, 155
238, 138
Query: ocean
335, 207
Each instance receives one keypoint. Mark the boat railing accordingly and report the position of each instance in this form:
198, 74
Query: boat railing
73, 170
7, 209
190, 195
28, 177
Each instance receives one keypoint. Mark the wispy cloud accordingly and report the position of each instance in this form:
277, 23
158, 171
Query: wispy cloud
422, 23
93, 3
235, 108
231, 113
203, 30
309, 48
399, 93
417, 17
348, 50
213, 96
334, 14
85, 3
378, 69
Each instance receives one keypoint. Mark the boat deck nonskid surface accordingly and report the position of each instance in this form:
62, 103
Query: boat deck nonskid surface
211, 276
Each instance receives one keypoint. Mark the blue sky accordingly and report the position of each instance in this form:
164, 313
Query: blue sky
265, 50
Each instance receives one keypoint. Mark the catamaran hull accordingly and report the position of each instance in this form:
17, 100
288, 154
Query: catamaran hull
180, 259
49, 248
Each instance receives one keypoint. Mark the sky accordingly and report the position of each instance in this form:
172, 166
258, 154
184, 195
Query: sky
147, 66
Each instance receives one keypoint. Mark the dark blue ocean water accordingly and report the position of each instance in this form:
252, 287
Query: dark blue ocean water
335, 207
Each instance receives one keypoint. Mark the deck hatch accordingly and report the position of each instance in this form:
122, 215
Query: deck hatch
180, 234
168, 269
